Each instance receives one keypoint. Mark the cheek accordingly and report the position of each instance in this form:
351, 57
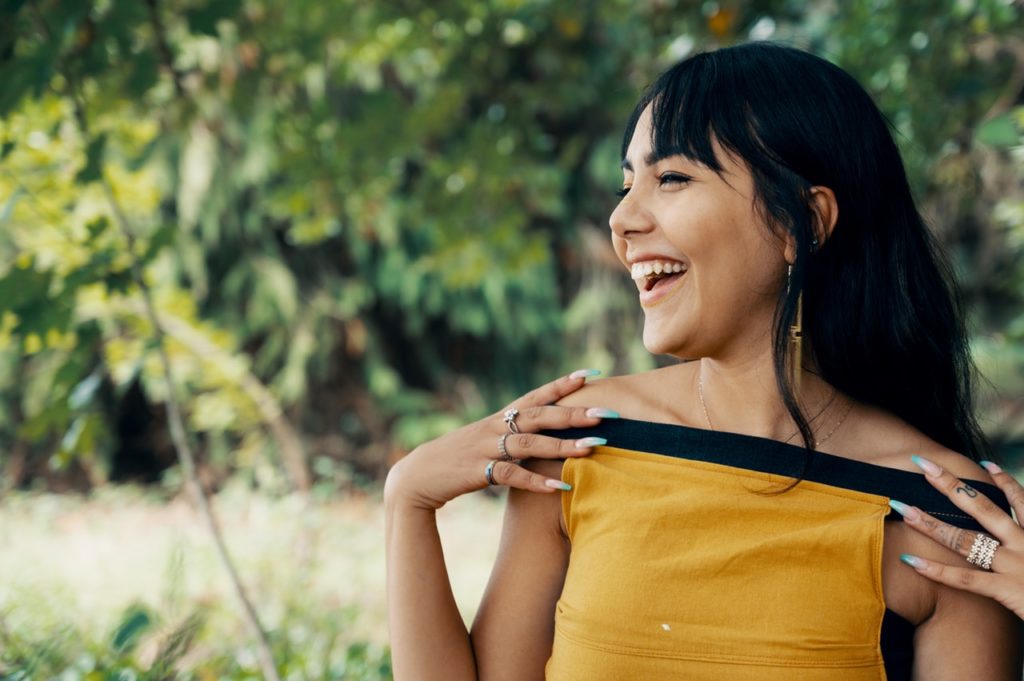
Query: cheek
745, 277
736, 262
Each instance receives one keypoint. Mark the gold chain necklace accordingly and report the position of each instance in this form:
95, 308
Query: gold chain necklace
849, 407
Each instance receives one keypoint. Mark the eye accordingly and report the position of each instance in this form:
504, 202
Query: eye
621, 192
673, 178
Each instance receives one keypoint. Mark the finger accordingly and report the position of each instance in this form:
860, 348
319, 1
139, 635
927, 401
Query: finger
532, 419
954, 538
531, 445
513, 475
1009, 486
550, 393
973, 502
967, 579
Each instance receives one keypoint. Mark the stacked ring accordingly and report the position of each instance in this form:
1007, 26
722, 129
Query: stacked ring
982, 551
505, 456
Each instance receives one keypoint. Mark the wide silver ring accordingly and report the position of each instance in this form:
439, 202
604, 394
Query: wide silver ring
982, 551
510, 419
489, 472
505, 456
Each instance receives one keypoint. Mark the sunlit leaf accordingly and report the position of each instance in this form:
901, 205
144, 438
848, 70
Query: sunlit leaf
134, 623
83, 393
1001, 131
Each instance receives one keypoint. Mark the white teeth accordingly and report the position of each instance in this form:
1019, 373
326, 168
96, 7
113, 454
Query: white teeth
644, 269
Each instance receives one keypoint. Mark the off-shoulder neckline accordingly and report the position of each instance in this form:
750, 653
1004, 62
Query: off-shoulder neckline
774, 457
698, 435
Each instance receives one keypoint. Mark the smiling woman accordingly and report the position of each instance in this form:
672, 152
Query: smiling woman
728, 517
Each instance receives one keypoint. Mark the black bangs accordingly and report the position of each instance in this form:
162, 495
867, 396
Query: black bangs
707, 97
682, 117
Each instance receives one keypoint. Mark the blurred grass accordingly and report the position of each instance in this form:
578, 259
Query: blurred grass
124, 586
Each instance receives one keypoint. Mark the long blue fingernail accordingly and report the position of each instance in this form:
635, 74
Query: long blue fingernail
601, 412
557, 484
913, 561
908, 512
585, 442
585, 373
929, 468
991, 467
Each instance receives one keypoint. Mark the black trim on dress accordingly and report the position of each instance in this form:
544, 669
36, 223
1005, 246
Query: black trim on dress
765, 455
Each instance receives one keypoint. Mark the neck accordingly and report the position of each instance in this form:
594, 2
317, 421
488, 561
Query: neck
741, 396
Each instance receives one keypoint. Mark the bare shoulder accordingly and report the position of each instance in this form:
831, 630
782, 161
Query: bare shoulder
956, 463
640, 396
890, 441
601, 392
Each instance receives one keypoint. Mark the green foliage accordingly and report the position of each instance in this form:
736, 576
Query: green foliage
73, 655
391, 214
311, 645
138, 589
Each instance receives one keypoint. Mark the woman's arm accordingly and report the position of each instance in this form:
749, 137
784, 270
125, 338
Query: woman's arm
428, 637
514, 627
967, 637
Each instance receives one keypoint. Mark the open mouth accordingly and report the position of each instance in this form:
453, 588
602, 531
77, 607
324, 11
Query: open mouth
657, 280
663, 280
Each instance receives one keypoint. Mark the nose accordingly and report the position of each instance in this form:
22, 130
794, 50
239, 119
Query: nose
629, 218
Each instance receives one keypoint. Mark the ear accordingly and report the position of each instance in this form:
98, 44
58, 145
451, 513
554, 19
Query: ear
824, 214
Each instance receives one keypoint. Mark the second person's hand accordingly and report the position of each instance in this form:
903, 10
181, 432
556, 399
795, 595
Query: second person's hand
1003, 579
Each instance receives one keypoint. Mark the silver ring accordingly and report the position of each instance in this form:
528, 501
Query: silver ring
505, 456
510, 419
489, 472
982, 551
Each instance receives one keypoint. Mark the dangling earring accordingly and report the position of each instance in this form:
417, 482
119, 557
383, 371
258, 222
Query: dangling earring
795, 337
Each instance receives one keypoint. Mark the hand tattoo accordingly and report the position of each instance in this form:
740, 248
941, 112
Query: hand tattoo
953, 537
967, 489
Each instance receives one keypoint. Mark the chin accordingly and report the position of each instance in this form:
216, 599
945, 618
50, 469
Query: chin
661, 343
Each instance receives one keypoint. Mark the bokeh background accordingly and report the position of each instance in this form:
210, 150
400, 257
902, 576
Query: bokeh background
362, 224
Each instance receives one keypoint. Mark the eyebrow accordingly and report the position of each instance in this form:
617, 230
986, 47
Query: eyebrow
650, 159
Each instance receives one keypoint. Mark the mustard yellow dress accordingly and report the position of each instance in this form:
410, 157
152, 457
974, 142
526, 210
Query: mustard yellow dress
689, 562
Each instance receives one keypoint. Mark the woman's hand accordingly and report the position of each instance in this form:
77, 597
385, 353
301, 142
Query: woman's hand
455, 464
1005, 581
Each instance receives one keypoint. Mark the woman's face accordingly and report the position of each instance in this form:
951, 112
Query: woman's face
721, 269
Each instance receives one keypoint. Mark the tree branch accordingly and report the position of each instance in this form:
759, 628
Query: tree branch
271, 413
986, 49
179, 437
184, 450
163, 47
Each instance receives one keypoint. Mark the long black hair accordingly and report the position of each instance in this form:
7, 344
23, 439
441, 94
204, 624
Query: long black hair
880, 305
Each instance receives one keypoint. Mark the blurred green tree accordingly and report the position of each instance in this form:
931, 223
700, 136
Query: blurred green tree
383, 219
